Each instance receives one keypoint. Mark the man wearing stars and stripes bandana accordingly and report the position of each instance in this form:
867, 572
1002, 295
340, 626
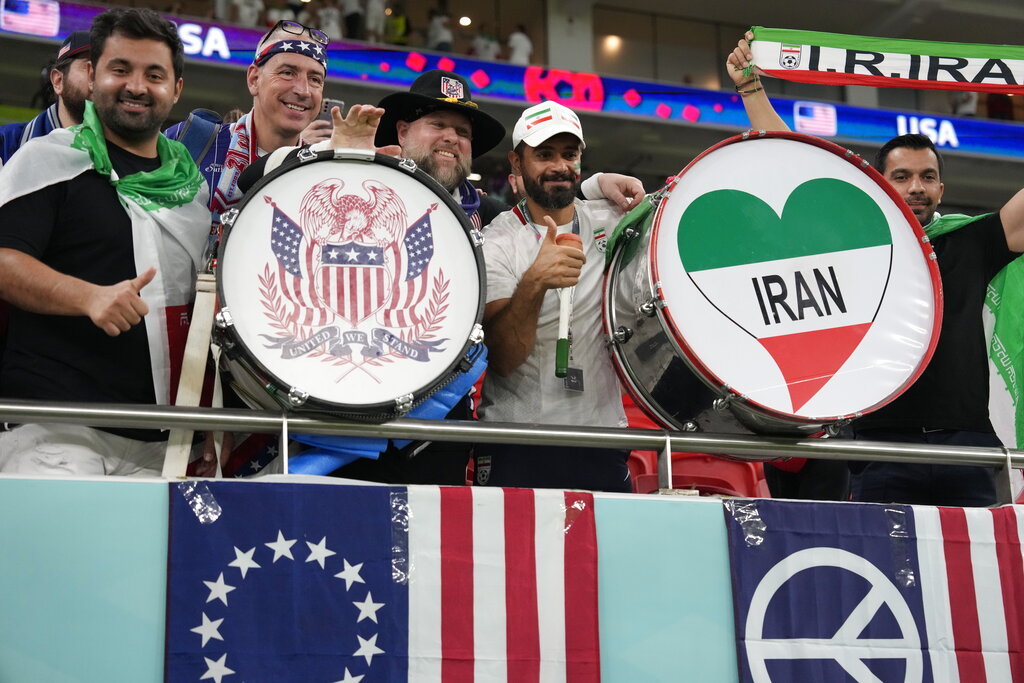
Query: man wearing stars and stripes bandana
286, 80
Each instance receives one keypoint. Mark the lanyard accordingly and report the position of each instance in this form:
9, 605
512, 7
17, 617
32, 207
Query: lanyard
528, 220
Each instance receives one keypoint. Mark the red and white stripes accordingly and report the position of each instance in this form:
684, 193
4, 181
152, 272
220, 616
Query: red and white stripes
503, 585
972, 579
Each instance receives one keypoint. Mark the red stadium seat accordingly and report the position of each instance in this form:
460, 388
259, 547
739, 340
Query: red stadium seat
706, 473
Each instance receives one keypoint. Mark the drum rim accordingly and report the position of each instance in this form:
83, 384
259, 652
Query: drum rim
669, 324
383, 409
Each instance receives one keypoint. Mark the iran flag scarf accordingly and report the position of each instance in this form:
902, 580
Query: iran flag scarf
1004, 329
168, 212
838, 59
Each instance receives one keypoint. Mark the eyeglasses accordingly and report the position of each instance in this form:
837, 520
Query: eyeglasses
295, 28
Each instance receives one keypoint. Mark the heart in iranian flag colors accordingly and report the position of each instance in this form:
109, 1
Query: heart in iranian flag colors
805, 290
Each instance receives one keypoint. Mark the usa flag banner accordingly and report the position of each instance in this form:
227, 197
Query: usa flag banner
844, 592
35, 17
308, 582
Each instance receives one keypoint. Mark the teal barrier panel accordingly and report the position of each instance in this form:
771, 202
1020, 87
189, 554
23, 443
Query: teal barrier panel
665, 597
83, 571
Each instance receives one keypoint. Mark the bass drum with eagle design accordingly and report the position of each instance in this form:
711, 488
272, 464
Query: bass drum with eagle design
780, 286
350, 283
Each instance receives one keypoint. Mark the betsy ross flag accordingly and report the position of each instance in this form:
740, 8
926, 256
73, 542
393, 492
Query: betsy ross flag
839, 592
295, 254
380, 584
410, 285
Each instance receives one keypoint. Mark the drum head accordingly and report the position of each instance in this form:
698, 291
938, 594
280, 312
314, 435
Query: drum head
354, 281
795, 277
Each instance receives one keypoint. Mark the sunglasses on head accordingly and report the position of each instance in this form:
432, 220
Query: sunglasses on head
295, 28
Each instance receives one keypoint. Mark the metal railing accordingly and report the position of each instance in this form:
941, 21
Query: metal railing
744, 447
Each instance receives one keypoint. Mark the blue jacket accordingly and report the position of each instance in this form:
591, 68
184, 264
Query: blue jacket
14, 135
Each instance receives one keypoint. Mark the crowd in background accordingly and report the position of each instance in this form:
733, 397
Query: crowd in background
373, 21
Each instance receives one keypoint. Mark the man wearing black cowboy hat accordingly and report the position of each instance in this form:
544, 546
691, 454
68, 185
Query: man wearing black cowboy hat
69, 78
441, 128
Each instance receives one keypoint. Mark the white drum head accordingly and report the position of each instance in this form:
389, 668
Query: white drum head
795, 278
351, 280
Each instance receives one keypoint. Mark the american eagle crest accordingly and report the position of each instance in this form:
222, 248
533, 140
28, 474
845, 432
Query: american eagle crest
329, 216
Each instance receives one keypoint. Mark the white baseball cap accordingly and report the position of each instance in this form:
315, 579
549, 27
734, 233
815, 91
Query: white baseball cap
545, 120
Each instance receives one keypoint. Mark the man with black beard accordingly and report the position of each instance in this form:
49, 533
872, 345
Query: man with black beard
527, 263
102, 227
69, 79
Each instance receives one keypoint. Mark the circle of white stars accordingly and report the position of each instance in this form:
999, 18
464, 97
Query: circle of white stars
244, 562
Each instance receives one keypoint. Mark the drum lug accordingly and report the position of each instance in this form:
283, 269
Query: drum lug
306, 154
832, 429
407, 165
691, 426
477, 237
223, 319
403, 404
622, 334
297, 397
650, 307
476, 335
229, 217
722, 403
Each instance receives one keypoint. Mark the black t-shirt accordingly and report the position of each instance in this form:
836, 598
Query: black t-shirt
952, 392
79, 228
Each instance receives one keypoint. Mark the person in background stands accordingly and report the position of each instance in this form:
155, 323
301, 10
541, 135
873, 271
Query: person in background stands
69, 78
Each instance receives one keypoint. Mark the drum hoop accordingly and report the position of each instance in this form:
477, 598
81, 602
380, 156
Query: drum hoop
690, 357
384, 408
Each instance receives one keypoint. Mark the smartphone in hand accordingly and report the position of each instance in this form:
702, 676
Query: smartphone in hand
325, 109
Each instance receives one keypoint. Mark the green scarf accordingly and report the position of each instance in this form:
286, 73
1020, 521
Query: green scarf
173, 184
1005, 301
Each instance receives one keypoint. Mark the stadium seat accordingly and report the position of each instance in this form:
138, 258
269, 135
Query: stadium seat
707, 474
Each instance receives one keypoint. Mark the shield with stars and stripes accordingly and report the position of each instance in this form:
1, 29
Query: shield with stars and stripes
353, 280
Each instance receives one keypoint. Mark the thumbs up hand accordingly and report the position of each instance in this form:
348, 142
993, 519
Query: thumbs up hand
560, 259
115, 308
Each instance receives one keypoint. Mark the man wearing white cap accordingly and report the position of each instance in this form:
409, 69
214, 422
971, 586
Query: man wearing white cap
527, 263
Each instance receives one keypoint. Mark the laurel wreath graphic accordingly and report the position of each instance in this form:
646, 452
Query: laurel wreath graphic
426, 328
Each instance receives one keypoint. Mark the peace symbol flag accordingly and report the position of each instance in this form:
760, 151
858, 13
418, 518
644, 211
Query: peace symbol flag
865, 592
321, 582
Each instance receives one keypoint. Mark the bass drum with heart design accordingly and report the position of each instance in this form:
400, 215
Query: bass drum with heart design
777, 285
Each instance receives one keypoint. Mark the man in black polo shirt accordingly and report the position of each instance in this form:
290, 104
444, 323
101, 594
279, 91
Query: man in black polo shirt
102, 227
948, 404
